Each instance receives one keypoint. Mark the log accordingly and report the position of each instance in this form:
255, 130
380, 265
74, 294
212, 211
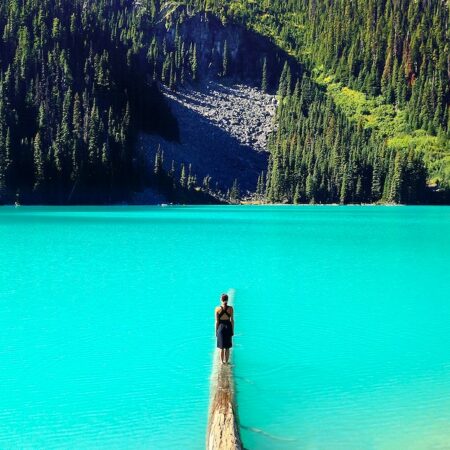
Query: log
223, 425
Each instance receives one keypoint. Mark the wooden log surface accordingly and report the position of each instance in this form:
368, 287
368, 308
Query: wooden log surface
223, 426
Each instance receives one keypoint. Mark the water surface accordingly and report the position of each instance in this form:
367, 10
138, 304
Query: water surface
342, 325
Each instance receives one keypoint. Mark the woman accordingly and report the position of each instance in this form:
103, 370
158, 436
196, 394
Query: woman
224, 328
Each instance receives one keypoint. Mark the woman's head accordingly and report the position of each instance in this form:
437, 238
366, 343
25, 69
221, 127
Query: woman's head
224, 298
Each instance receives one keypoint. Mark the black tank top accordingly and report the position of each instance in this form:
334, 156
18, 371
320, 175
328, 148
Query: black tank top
221, 313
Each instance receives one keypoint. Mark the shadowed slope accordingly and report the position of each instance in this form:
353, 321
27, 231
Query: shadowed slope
223, 133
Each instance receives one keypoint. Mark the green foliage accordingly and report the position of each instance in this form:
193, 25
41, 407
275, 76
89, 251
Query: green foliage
76, 83
71, 95
225, 60
319, 156
388, 63
264, 76
392, 123
234, 192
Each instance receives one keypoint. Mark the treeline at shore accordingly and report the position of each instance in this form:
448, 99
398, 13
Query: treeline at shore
73, 91
381, 132
317, 156
79, 80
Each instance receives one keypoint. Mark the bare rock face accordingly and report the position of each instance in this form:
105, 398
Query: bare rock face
247, 50
244, 112
224, 119
224, 130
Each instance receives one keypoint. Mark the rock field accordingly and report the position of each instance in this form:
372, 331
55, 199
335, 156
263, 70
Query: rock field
223, 132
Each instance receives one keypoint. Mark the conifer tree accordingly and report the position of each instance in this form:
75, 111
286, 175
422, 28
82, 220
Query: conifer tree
183, 180
234, 192
264, 76
38, 162
194, 63
225, 59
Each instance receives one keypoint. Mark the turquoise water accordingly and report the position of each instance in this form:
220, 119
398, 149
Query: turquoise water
342, 325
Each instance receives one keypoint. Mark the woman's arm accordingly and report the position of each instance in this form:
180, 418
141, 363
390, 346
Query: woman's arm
216, 319
232, 320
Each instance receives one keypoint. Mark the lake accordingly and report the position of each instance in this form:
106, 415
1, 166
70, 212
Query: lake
342, 325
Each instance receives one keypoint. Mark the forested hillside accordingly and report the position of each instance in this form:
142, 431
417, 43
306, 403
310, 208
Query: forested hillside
363, 86
72, 88
385, 65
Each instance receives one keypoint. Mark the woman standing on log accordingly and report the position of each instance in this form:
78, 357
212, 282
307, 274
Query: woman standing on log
224, 328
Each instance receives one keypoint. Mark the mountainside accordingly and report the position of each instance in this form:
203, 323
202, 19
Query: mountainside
223, 136
384, 64
98, 98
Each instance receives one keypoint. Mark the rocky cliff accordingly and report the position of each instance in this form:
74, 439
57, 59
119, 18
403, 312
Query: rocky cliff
224, 116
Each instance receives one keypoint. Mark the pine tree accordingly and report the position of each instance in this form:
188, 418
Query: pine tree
264, 76
157, 169
284, 86
225, 59
194, 63
105, 157
7, 158
183, 180
396, 181
297, 194
234, 192
376, 182
38, 162
93, 137
344, 187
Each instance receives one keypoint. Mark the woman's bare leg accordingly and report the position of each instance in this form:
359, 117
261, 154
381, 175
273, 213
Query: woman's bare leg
227, 355
222, 355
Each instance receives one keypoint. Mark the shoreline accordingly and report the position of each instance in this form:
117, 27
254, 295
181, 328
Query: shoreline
255, 204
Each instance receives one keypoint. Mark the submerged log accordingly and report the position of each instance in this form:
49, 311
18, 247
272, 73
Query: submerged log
223, 427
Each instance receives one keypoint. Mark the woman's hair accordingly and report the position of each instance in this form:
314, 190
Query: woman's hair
224, 297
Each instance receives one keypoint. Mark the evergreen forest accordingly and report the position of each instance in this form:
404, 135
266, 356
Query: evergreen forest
363, 94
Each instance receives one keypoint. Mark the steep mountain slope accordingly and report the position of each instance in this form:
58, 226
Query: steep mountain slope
385, 64
79, 85
223, 132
